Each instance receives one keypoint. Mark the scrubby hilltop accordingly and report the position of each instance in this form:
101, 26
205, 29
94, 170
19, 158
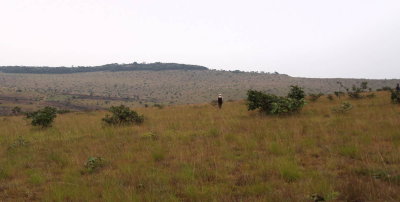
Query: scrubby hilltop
158, 66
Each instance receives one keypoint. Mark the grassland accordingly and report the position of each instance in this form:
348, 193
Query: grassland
200, 153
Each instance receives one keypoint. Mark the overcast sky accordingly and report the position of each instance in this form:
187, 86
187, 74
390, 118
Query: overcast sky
308, 38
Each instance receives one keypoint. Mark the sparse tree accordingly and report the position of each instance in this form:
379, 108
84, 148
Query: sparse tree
43, 117
122, 115
272, 104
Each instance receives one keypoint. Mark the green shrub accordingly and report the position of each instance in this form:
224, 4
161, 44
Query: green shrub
122, 115
343, 108
296, 93
93, 164
16, 110
356, 92
272, 104
385, 88
315, 97
395, 96
43, 117
338, 94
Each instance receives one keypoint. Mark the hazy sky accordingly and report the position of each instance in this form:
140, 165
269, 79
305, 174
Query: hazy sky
309, 38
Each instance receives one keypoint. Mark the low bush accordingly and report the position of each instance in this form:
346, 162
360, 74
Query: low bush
122, 115
43, 117
315, 97
272, 104
16, 110
343, 108
357, 92
93, 164
395, 96
338, 94
385, 88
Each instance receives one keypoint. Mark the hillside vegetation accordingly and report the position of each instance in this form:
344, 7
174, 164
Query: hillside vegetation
109, 67
100, 90
200, 153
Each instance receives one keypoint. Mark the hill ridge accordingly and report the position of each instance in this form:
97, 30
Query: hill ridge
114, 67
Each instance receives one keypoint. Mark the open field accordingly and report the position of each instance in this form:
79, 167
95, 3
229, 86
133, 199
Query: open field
200, 153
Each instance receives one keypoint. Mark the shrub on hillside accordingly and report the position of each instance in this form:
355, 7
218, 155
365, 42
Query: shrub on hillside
272, 104
330, 97
315, 97
16, 110
395, 96
43, 117
339, 93
122, 115
356, 91
296, 93
385, 88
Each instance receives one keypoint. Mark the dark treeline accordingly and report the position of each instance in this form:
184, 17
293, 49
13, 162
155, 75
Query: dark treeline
109, 67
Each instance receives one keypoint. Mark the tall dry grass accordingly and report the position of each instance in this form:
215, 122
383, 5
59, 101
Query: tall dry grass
200, 153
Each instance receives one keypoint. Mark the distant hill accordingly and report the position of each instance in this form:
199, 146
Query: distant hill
140, 84
154, 83
108, 67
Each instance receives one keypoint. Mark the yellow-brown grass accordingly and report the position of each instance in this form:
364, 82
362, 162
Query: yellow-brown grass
200, 153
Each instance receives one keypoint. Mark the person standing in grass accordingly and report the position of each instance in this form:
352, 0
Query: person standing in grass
220, 101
